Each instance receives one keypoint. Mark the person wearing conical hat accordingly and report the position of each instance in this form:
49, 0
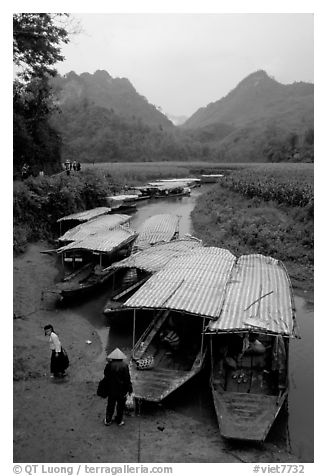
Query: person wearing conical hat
119, 384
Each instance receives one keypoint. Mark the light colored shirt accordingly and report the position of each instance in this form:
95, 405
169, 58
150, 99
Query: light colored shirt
55, 343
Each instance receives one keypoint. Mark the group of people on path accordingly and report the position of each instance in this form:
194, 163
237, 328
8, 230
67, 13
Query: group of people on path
76, 166
117, 378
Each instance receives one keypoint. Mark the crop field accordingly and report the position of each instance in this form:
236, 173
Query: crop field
135, 173
288, 184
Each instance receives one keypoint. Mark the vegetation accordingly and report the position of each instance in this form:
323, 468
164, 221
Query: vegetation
36, 40
40, 201
104, 119
252, 212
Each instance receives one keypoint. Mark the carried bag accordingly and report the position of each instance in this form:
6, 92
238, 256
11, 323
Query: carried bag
64, 359
130, 402
103, 388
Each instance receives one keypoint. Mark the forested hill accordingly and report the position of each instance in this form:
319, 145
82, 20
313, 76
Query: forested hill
116, 94
257, 118
105, 119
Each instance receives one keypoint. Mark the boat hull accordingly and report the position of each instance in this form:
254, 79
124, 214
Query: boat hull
246, 416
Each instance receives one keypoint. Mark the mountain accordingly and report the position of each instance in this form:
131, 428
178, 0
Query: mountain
103, 119
257, 112
259, 97
116, 94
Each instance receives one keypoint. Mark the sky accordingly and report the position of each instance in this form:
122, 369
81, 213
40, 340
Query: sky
183, 61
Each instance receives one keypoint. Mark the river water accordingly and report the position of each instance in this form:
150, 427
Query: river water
294, 426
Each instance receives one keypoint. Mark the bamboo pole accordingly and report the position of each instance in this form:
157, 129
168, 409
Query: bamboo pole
134, 319
202, 337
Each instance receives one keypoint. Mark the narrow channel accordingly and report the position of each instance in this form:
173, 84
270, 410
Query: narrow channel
294, 426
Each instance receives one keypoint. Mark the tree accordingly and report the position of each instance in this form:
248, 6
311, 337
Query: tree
37, 42
37, 38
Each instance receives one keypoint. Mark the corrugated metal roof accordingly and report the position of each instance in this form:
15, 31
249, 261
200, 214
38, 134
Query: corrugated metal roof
157, 256
105, 241
97, 225
259, 295
86, 215
194, 283
156, 229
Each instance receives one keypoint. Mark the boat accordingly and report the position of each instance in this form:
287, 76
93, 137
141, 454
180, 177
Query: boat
93, 227
157, 229
170, 189
169, 368
99, 251
122, 202
189, 182
211, 178
186, 293
70, 221
132, 272
249, 348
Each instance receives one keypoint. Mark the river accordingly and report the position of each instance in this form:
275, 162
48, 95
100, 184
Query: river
294, 426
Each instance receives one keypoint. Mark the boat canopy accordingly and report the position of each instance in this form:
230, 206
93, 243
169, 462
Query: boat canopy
156, 229
86, 215
157, 256
258, 297
97, 225
122, 198
168, 185
186, 180
193, 283
104, 241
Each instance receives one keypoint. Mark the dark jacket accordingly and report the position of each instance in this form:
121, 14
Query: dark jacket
118, 377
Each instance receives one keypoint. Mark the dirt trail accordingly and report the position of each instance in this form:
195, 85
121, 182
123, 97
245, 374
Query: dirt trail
61, 421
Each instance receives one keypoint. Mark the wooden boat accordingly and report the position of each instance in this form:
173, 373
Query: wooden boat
97, 225
130, 280
186, 292
170, 189
211, 178
122, 202
171, 368
249, 380
108, 247
75, 219
134, 271
156, 229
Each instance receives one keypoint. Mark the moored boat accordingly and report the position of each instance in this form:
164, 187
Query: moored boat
74, 219
132, 272
107, 247
185, 294
99, 224
157, 229
249, 344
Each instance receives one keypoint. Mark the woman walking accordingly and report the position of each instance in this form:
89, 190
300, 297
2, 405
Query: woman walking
119, 384
59, 359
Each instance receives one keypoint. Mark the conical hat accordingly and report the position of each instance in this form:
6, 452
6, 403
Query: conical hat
117, 354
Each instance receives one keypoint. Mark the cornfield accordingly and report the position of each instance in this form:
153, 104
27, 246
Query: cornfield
289, 186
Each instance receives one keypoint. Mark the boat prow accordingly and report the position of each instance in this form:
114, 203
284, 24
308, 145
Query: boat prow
155, 384
246, 416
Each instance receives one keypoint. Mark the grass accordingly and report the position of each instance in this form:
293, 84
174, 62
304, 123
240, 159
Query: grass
228, 218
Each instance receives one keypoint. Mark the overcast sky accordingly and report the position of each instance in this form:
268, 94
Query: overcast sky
181, 62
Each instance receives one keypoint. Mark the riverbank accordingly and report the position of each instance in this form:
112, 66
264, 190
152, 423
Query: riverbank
226, 219
62, 421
